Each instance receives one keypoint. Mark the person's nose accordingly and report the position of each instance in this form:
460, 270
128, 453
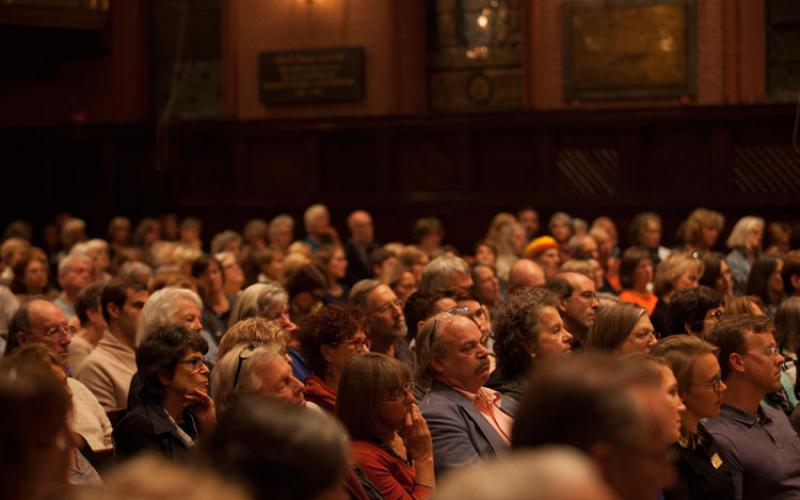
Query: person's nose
288, 323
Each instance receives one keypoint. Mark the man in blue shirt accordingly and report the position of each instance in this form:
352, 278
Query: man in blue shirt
756, 440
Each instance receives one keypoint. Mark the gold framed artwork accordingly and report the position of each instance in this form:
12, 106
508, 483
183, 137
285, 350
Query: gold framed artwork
629, 49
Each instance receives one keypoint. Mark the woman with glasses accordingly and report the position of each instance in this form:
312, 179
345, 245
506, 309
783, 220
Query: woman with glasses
623, 328
174, 407
702, 473
527, 328
391, 441
329, 339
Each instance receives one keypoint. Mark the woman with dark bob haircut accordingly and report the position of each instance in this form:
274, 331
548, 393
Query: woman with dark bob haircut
624, 328
635, 274
174, 405
766, 283
391, 441
329, 339
526, 326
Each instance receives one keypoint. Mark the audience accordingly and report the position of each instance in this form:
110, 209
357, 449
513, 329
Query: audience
718, 409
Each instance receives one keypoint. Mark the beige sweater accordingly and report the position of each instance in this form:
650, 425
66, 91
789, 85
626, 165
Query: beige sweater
108, 370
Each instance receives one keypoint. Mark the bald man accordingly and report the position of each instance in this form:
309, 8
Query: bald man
525, 273
359, 247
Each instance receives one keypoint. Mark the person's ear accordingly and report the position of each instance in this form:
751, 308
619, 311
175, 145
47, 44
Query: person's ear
736, 362
436, 364
113, 310
165, 378
21, 338
795, 281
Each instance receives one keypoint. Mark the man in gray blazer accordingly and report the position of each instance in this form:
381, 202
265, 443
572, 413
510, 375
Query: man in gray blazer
467, 421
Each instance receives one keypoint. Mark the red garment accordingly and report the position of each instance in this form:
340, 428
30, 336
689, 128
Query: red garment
391, 476
317, 391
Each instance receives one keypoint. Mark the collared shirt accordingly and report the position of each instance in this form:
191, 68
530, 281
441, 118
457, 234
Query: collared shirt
763, 447
488, 402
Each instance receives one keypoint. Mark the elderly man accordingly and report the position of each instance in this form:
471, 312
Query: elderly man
525, 273
359, 247
74, 274
758, 441
467, 421
319, 231
446, 272
385, 325
578, 303
39, 321
108, 370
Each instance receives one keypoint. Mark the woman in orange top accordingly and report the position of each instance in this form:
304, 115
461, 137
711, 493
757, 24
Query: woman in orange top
635, 274
391, 441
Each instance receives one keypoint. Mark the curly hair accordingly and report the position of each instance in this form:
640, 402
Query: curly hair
515, 325
330, 325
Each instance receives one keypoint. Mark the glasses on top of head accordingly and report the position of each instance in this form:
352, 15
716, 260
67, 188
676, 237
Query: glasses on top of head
244, 355
448, 316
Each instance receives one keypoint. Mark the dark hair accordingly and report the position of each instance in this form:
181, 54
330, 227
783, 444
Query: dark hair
306, 279
712, 268
116, 292
516, 325
89, 299
729, 336
159, 354
267, 446
200, 267
613, 325
20, 322
420, 306
787, 324
34, 410
426, 226
630, 260
758, 280
366, 382
791, 267
17, 286
638, 224
560, 286
580, 401
689, 306
330, 325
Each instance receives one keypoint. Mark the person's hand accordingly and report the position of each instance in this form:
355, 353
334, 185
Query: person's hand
416, 435
203, 408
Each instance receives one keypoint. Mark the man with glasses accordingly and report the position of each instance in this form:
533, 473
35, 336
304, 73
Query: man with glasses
694, 311
40, 321
467, 421
577, 303
757, 440
385, 325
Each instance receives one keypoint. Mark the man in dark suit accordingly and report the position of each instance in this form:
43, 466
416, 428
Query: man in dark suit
467, 421
359, 247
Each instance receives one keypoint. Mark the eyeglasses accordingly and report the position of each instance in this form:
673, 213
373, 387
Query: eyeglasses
448, 316
195, 364
642, 336
358, 343
55, 330
715, 383
244, 354
388, 306
769, 351
717, 315
400, 393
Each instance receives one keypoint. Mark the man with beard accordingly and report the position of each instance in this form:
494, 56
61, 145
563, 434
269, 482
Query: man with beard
385, 324
467, 421
578, 305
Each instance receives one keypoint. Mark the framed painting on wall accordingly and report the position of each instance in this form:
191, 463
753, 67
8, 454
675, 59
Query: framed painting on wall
629, 49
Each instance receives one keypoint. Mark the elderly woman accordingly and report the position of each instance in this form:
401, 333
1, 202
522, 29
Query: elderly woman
700, 386
701, 229
391, 441
255, 368
330, 259
174, 407
679, 271
544, 251
510, 248
766, 283
635, 276
527, 327
745, 245
329, 339
623, 328
217, 304
645, 232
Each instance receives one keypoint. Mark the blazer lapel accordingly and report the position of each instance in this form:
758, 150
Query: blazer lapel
468, 408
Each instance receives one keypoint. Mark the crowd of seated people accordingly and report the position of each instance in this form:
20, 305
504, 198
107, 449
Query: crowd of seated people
550, 361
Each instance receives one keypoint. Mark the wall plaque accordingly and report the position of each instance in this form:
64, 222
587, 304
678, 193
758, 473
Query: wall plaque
312, 76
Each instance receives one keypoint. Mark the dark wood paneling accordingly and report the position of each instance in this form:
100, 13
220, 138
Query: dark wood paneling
460, 168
